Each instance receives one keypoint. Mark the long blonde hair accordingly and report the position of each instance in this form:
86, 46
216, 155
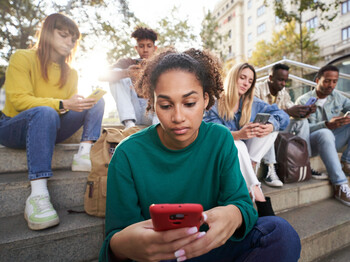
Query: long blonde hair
230, 97
44, 44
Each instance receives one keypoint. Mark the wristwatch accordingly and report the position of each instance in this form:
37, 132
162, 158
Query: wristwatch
61, 108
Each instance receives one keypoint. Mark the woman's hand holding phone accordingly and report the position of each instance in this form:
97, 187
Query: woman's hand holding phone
140, 242
223, 221
78, 103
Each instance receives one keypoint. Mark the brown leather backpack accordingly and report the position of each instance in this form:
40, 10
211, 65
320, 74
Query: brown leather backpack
100, 155
293, 164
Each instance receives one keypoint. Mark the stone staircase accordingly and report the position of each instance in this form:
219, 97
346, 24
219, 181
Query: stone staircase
322, 222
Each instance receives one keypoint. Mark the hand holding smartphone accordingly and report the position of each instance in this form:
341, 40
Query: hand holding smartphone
97, 94
262, 118
172, 216
311, 101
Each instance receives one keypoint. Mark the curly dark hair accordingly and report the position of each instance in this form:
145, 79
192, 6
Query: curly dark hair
144, 33
325, 69
203, 64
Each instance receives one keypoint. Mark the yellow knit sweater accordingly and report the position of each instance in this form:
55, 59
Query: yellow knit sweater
25, 87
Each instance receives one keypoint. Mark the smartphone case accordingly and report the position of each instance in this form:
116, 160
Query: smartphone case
97, 94
172, 216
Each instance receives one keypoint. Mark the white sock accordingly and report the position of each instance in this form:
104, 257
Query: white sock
129, 123
39, 187
84, 148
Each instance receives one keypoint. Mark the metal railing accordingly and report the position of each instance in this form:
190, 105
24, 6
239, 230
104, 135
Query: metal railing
297, 78
297, 64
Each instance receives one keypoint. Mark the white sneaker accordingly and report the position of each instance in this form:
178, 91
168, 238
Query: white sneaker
81, 163
129, 123
318, 175
40, 213
271, 178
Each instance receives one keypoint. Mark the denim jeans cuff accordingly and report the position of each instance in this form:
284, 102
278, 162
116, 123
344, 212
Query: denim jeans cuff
89, 139
40, 175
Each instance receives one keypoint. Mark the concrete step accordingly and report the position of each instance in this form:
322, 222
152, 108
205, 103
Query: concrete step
66, 189
342, 255
78, 237
298, 194
323, 227
15, 160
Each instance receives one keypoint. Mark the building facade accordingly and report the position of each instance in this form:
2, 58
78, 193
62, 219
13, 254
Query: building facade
243, 23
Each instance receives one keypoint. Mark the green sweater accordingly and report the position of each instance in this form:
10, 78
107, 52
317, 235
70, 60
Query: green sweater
144, 172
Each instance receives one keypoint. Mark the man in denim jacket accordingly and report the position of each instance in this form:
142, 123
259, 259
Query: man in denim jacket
273, 91
330, 132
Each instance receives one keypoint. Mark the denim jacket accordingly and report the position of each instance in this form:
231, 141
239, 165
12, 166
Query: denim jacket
278, 118
335, 104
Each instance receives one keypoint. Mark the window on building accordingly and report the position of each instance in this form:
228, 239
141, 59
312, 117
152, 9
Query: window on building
311, 23
230, 49
229, 34
232, 1
345, 7
345, 33
261, 10
218, 14
249, 20
229, 18
250, 37
226, 6
261, 28
249, 4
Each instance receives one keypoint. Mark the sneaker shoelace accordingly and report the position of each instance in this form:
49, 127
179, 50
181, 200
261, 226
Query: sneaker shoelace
345, 188
43, 203
315, 173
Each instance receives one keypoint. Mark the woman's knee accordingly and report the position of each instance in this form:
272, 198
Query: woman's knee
100, 105
45, 114
280, 235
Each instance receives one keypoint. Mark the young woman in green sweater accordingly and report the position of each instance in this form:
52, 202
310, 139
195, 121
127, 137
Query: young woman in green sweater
185, 160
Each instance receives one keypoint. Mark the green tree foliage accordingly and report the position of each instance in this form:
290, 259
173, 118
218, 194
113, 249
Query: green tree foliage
18, 23
173, 31
106, 23
285, 43
325, 12
209, 34
20, 20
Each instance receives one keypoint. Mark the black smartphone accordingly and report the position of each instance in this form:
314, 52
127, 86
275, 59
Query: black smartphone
262, 118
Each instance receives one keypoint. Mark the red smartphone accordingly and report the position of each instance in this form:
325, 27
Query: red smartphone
172, 216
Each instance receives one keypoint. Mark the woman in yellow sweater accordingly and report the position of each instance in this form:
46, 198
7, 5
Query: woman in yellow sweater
42, 108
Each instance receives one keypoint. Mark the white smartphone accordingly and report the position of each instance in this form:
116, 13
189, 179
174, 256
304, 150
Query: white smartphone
346, 114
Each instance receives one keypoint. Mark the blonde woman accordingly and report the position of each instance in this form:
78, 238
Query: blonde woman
237, 109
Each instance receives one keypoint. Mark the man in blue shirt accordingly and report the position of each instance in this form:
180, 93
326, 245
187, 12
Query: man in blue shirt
330, 130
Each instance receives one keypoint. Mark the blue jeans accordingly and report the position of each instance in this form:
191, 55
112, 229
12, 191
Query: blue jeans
38, 130
327, 143
271, 239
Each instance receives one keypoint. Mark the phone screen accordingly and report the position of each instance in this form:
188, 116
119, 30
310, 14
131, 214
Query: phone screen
262, 118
